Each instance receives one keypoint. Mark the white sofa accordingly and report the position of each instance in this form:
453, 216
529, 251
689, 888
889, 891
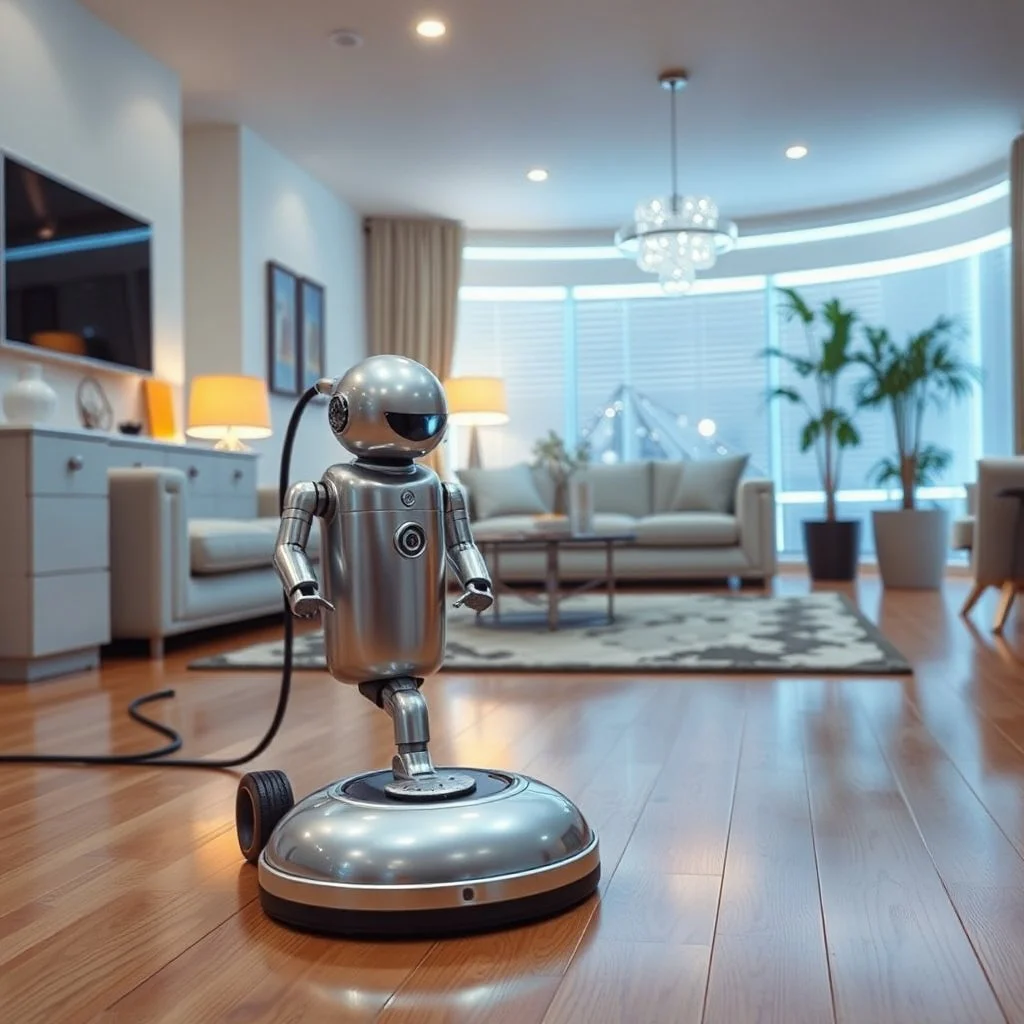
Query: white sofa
172, 572
692, 520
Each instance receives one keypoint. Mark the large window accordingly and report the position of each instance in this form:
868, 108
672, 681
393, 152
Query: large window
649, 376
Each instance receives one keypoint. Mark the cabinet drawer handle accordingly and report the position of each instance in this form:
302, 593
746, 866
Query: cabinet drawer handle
75, 463
237, 475
192, 472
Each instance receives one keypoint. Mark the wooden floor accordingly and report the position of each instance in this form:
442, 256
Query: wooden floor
790, 850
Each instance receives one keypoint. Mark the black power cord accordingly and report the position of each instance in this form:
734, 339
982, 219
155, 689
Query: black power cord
155, 758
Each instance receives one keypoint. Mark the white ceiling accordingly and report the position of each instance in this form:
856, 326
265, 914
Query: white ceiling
892, 98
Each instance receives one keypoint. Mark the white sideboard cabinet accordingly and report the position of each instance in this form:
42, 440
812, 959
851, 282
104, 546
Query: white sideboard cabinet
55, 535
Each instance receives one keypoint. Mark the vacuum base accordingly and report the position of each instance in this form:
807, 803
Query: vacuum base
399, 924
355, 859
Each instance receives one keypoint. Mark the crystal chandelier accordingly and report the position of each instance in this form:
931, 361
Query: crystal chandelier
675, 236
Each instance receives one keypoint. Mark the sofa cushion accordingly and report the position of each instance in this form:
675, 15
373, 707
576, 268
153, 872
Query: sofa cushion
622, 488
688, 529
666, 476
505, 491
963, 533
709, 485
230, 545
490, 529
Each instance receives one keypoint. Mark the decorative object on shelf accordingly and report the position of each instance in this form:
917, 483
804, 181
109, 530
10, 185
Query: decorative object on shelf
60, 341
476, 402
229, 410
30, 400
832, 545
311, 332
912, 543
283, 330
131, 427
94, 409
158, 397
675, 236
551, 453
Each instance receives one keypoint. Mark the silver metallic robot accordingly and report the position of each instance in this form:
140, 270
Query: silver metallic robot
389, 526
414, 849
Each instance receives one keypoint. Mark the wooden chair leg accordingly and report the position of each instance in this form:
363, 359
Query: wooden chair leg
1006, 598
972, 598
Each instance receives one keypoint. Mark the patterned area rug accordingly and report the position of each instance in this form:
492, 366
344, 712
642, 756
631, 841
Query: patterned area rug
681, 633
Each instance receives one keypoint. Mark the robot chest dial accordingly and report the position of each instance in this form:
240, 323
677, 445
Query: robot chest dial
410, 540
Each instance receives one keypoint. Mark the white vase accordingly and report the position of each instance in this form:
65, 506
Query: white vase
31, 400
581, 506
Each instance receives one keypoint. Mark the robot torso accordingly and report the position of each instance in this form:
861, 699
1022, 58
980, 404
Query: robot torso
383, 567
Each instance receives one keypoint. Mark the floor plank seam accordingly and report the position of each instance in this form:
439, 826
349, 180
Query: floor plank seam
177, 956
725, 860
817, 880
950, 757
897, 780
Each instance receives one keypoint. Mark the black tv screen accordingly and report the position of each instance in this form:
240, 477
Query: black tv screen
77, 272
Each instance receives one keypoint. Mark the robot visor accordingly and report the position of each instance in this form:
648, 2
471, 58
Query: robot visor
416, 426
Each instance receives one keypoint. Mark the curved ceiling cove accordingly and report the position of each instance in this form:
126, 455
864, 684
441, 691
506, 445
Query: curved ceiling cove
889, 100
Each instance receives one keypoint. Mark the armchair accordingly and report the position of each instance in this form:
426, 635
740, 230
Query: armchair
994, 537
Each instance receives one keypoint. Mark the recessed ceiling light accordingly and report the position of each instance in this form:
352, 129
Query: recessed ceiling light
431, 28
796, 152
537, 174
346, 38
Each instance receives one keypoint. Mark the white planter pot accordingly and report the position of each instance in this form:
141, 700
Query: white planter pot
581, 506
31, 400
912, 546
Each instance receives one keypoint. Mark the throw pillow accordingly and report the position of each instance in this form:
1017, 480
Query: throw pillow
709, 485
508, 491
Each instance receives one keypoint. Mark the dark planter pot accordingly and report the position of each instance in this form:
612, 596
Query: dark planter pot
833, 549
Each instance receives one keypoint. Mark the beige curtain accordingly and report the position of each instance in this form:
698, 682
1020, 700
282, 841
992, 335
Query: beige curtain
413, 271
1017, 287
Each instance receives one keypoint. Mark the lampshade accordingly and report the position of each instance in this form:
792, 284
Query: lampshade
228, 406
479, 401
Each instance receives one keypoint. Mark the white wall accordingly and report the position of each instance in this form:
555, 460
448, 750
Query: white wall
247, 204
83, 104
213, 268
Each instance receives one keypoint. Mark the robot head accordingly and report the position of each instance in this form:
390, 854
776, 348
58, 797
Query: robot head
388, 407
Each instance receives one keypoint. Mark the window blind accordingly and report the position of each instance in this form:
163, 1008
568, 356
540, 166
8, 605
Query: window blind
524, 343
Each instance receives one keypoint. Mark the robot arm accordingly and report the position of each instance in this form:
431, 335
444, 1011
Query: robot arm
463, 554
303, 501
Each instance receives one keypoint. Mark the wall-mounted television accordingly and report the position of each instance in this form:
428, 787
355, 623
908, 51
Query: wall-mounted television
77, 272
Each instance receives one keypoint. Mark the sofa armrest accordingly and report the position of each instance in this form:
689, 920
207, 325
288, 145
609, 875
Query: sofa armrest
268, 502
149, 550
755, 514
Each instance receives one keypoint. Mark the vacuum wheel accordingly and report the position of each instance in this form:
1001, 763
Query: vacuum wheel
263, 799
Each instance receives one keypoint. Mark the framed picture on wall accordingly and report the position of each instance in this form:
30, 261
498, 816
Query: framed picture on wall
283, 377
311, 320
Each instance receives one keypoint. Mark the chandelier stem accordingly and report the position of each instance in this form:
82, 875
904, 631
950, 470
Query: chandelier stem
675, 153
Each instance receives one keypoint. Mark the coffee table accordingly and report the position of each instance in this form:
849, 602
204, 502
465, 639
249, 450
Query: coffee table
555, 590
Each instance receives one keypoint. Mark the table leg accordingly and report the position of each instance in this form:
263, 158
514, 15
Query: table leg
551, 584
609, 578
496, 587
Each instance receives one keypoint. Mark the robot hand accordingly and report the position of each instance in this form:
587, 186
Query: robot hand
477, 596
306, 602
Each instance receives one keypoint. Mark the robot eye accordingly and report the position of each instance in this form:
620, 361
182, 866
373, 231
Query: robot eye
416, 426
337, 414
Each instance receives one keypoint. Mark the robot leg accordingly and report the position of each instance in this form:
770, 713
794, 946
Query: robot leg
415, 776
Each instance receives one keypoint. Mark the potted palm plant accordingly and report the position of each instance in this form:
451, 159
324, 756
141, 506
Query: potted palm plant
832, 545
911, 543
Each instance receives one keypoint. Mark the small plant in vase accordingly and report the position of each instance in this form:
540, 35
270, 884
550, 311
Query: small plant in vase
911, 544
833, 545
551, 454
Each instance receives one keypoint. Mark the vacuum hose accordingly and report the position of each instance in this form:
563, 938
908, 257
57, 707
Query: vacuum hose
156, 757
